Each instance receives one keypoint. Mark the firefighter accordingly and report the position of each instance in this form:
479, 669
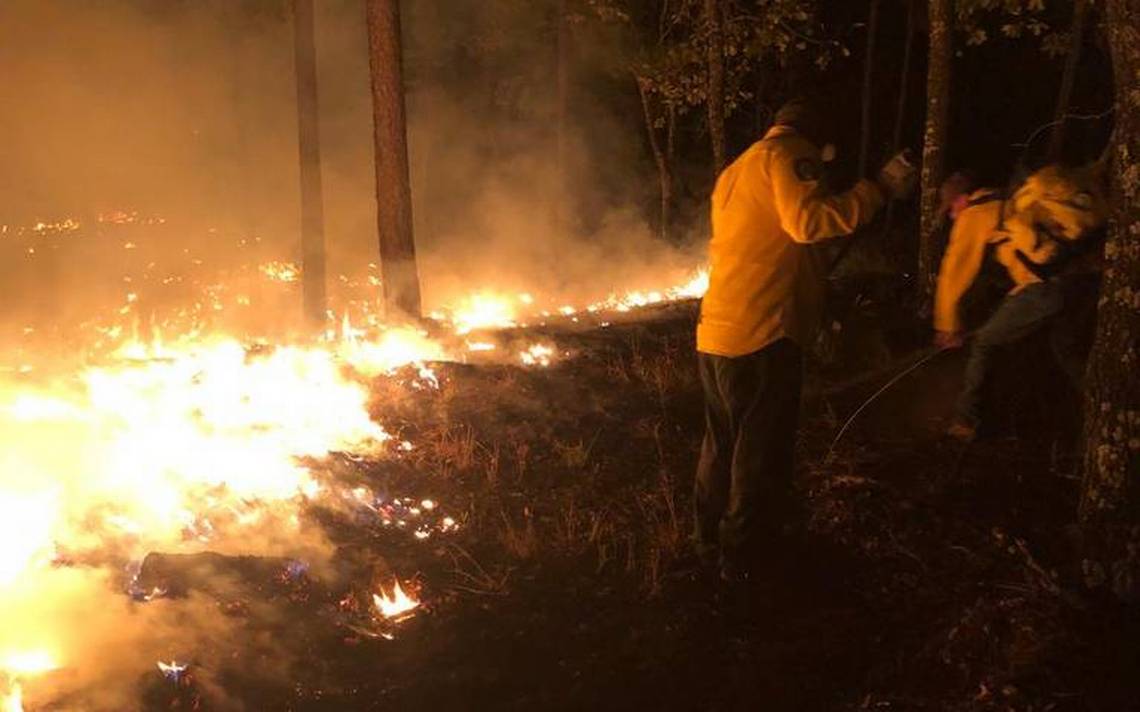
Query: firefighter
1035, 235
766, 287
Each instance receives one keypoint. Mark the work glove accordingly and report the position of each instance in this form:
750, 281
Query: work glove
898, 176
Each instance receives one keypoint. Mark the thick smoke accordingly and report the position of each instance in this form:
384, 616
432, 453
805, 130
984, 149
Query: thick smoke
148, 161
185, 111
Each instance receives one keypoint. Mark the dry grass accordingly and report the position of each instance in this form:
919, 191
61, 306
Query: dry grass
575, 456
519, 539
471, 577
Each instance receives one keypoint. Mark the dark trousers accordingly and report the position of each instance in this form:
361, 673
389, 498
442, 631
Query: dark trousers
744, 477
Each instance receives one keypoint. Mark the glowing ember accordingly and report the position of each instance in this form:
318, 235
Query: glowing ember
399, 606
172, 671
537, 355
281, 271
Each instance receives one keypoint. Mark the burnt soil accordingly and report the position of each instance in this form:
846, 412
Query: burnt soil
932, 576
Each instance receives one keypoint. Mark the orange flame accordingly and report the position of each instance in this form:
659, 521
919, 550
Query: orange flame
398, 606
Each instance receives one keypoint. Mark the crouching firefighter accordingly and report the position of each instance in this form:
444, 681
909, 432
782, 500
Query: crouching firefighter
766, 288
1036, 234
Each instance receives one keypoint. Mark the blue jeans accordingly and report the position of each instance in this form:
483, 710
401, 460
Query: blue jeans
1018, 316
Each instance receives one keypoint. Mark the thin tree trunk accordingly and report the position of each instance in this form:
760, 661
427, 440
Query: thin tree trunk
934, 144
398, 271
667, 189
563, 149
1065, 95
716, 109
309, 139
904, 77
868, 85
660, 157
900, 114
1110, 498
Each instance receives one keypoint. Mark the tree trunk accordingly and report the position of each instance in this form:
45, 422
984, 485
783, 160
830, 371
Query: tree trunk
309, 139
716, 110
904, 77
900, 119
1065, 95
868, 77
1110, 498
934, 144
661, 156
563, 149
398, 271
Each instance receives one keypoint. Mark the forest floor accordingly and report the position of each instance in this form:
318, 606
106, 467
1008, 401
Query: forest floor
933, 576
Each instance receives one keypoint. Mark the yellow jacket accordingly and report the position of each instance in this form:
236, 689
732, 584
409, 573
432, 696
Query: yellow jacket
1051, 196
766, 279
975, 229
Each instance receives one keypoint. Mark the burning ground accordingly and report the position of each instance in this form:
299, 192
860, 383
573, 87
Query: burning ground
186, 487
493, 513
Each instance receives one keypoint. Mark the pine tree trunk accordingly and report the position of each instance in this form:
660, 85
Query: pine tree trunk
309, 139
1065, 95
1110, 498
662, 156
934, 143
398, 271
563, 149
716, 110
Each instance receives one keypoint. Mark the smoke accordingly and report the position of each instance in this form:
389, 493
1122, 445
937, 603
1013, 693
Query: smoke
497, 203
167, 108
148, 168
186, 112
112, 645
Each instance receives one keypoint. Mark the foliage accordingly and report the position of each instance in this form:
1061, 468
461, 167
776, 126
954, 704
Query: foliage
983, 20
664, 43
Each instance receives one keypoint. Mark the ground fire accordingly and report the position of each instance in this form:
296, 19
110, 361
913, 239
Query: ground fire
207, 441
569, 354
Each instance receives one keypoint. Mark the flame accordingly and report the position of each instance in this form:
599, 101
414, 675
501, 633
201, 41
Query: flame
693, 288
150, 443
27, 520
172, 669
484, 311
25, 663
398, 606
28, 662
281, 271
537, 355
177, 432
480, 346
488, 310
393, 349
14, 701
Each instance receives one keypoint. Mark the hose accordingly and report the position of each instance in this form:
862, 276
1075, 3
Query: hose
926, 357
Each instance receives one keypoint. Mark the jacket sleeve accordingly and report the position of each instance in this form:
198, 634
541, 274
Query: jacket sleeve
965, 253
806, 212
